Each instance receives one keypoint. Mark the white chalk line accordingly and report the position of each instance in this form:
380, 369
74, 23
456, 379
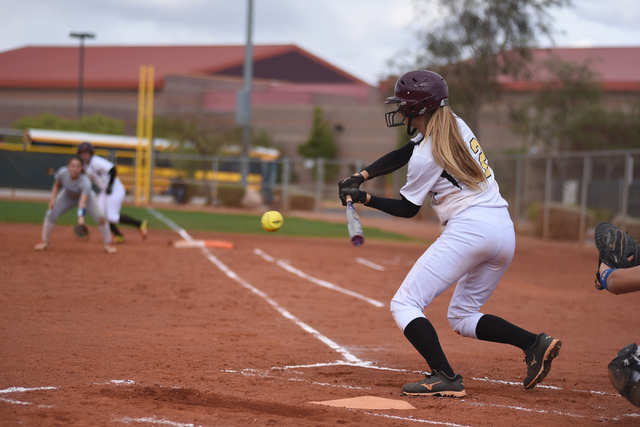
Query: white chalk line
319, 282
23, 389
370, 264
232, 275
417, 420
333, 345
520, 408
154, 420
264, 374
19, 402
255, 373
170, 223
368, 365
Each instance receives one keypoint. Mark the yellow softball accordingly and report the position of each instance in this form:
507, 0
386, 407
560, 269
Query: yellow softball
272, 221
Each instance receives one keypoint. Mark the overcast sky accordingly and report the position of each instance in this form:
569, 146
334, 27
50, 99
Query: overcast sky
358, 36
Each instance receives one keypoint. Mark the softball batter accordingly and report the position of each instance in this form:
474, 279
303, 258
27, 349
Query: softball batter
446, 164
103, 174
76, 191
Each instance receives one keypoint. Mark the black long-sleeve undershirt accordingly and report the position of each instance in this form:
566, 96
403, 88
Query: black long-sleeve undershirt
396, 207
386, 164
112, 173
391, 161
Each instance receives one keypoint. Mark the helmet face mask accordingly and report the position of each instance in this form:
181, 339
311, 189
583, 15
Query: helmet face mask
416, 93
390, 117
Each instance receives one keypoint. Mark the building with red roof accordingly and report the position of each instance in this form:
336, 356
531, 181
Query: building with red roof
614, 69
288, 83
116, 67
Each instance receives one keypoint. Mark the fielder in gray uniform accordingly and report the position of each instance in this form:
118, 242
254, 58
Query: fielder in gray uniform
73, 188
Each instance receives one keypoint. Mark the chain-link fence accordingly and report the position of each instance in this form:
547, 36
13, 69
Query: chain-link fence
599, 185
601, 182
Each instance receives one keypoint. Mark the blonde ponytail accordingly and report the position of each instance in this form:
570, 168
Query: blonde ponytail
450, 151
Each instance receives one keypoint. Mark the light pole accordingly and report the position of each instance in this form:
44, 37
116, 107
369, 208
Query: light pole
243, 108
81, 36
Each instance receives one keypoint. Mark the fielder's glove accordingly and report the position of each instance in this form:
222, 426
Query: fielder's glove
354, 181
615, 249
81, 232
623, 373
357, 196
108, 190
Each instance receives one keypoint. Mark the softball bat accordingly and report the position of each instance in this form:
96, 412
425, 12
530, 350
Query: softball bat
353, 224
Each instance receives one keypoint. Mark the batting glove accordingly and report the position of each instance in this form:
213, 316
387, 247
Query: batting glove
354, 181
357, 195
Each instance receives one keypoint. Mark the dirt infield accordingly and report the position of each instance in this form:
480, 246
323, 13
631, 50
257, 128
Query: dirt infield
251, 336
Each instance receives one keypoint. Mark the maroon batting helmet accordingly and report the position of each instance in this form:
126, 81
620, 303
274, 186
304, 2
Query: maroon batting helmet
416, 92
85, 147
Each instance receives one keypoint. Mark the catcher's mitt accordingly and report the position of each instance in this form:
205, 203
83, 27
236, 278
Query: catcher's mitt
615, 248
81, 232
624, 370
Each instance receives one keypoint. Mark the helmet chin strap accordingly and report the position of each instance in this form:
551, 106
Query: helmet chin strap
410, 131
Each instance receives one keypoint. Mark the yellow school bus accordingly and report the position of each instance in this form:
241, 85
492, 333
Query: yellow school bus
31, 163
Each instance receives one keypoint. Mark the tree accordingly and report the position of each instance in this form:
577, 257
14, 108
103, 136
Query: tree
198, 133
321, 143
566, 113
474, 42
261, 138
96, 123
596, 128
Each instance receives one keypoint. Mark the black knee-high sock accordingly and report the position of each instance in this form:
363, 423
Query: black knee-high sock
126, 219
422, 335
114, 229
495, 329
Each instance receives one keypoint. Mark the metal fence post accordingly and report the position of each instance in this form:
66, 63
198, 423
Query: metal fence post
214, 182
286, 180
518, 202
547, 199
359, 166
319, 182
626, 180
586, 177
152, 170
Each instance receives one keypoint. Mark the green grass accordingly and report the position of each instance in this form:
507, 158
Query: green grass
33, 213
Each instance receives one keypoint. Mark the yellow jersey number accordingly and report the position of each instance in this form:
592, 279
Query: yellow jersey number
484, 163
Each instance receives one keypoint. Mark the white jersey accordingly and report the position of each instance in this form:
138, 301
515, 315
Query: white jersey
448, 196
98, 170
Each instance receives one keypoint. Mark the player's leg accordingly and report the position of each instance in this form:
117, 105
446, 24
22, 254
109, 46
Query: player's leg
112, 204
126, 219
115, 203
476, 286
418, 289
474, 289
103, 199
442, 381
93, 209
62, 205
118, 237
436, 270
